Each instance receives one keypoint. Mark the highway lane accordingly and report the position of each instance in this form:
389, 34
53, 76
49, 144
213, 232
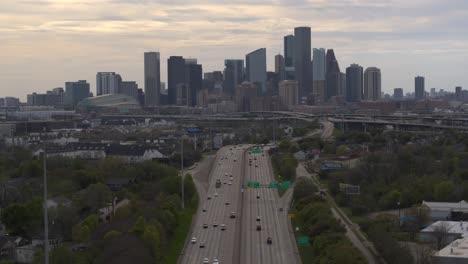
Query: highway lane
218, 244
273, 222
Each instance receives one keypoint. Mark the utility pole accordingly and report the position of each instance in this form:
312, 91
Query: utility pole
182, 168
46, 217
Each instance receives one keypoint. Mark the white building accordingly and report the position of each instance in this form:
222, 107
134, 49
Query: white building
107, 83
455, 253
372, 84
452, 230
444, 211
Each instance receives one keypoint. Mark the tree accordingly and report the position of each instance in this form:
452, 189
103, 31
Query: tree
139, 226
304, 187
440, 233
93, 198
443, 191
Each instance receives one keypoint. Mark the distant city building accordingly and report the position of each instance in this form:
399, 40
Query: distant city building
175, 76
372, 84
302, 61
289, 57
288, 93
419, 89
215, 76
233, 76
342, 86
272, 83
129, 88
354, 83
11, 102
279, 66
107, 83
245, 96
319, 65
54, 97
333, 75
433, 92
152, 78
193, 81
398, 93
121, 102
458, 92
76, 92
255, 69
319, 92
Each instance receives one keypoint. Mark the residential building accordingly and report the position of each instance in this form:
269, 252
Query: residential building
255, 69
398, 93
289, 57
152, 78
288, 93
419, 90
233, 76
454, 253
372, 84
107, 83
75, 92
354, 83
302, 61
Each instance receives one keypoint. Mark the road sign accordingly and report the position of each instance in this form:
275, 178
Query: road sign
286, 184
292, 216
303, 241
330, 166
194, 130
256, 151
273, 185
256, 185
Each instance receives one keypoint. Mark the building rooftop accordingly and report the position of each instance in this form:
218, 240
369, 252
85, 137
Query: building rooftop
456, 249
461, 206
453, 227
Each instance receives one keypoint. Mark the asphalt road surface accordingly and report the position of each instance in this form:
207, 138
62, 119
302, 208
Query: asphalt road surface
240, 242
265, 204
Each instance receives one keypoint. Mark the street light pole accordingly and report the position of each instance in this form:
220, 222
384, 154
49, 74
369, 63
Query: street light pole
182, 168
46, 217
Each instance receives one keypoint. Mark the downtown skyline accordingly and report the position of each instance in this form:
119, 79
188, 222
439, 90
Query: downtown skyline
408, 39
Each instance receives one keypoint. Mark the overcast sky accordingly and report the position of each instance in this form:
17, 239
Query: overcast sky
44, 43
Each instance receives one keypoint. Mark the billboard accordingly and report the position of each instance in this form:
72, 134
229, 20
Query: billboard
193, 130
330, 166
350, 189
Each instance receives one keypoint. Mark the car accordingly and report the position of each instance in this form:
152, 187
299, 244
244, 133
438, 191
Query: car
202, 244
231, 178
281, 209
250, 164
250, 152
205, 226
259, 228
269, 241
221, 158
223, 227
263, 155
233, 215
230, 183
215, 224
215, 261
258, 219
194, 240
255, 158
226, 203
256, 165
215, 194
204, 210
235, 160
226, 174
258, 196
209, 197
206, 261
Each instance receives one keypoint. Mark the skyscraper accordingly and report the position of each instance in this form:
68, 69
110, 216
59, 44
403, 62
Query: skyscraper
289, 57
107, 83
288, 93
255, 69
152, 79
193, 82
354, 83
75, 92
372, 84
419, 90
129, 88
332, 76
279, 66
233, 75
319, 65
175, 76
398, 93
458, 92
302, 61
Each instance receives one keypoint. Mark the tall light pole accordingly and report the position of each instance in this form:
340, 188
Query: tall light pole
182, 168
46, 217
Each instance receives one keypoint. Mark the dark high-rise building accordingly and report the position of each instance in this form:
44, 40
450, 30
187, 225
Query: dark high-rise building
129, 88
398, 93
255, 69
75, 92
193, 82
332, 75
272, 84
175, 76
302, 61
233, 76
372, 84
54, 97
152, 79
458, 92
419, 90
354, 83
289, 57
107, 83
279, 66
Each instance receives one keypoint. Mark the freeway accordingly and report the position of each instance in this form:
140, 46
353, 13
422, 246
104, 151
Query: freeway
265, 204
219, 244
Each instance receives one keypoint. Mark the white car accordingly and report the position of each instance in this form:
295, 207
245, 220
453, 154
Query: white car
223, 227
226, 203
230, 183
206, 261
215, 261
194, 240
216, 194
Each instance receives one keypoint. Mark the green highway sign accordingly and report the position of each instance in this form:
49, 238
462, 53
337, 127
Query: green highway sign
256, 185
273, 185
286, 184
303, 241
256, 151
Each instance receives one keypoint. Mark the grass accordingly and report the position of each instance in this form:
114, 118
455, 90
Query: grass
181, 232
